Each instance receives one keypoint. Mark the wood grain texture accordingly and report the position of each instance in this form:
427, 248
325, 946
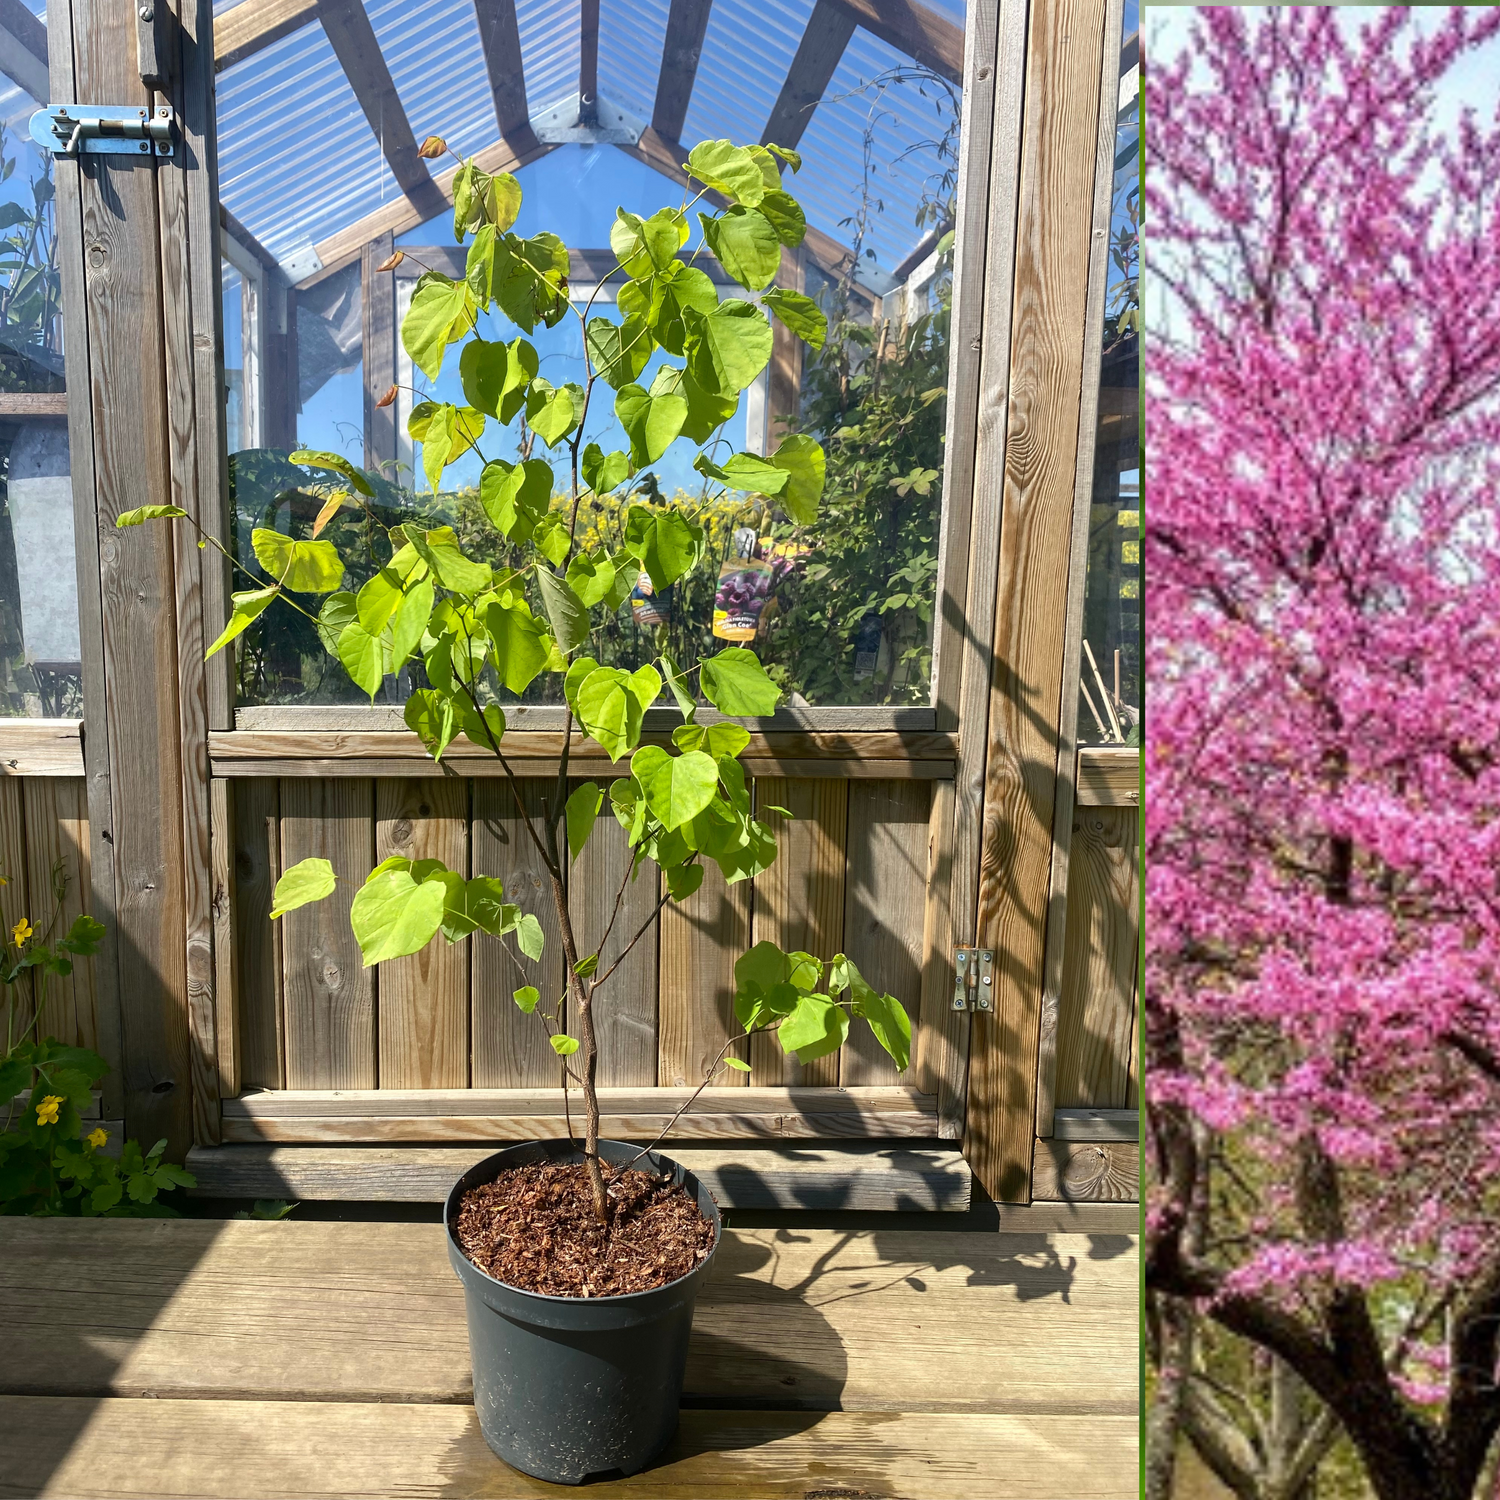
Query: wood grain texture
1064, 58
687, 24
343, 1451
191, 294
41, 747
57, 857
940, 1034
126, 382
799, 901
1097, 1016
915, 29
700, 939
68, 181
1093, 1171
226, 968
424, 998
873, 1320
354, 43
625, 1008
16, 901
257, 939
856, 1175
378, 294
525, 717
1109, 776
1088, 1124
510, 1048
500, 38
884, 903
545, 768
818, 55
1068, 759
329, 995
244, 29
784, 375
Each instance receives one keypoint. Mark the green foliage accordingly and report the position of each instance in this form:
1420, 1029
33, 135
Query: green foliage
517, 589
48, 1164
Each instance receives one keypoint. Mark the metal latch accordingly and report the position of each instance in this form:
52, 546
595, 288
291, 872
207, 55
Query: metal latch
104, 129
974, 971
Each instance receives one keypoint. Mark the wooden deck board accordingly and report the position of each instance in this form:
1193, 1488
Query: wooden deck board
1019, 1324
253, 1449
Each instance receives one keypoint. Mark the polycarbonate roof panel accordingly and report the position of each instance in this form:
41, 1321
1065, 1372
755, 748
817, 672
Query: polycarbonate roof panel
630, 47
297, 158
549, 49
437, 64
875, 89
747, 52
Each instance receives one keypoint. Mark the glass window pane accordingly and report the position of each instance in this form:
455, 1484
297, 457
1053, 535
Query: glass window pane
40, 672
1109, 707
841, 610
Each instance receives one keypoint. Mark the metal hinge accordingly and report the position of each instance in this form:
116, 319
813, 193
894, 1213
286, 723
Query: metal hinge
974, 970
104, 129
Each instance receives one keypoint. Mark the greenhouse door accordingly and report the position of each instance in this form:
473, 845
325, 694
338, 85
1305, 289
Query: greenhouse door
238, 299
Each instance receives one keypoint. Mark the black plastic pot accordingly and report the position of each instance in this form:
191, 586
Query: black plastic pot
568, 1388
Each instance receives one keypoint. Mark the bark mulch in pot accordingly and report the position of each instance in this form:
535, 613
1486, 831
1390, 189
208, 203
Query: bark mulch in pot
534, 1228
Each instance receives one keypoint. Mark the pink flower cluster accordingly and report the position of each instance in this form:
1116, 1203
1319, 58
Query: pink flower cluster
1323, 549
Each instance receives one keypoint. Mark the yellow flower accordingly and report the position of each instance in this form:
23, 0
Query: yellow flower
97, 1137
46, 1111
21, 931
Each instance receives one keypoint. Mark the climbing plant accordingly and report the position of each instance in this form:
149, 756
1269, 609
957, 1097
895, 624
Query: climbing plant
477, 627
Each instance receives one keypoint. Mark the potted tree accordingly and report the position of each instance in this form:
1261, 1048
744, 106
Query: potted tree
580, 1263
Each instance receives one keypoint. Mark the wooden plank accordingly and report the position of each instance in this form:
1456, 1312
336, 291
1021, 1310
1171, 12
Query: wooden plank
399, 215
253, 1449
69, 186
546, 746
856, 1175
23, 55
246, 28
57, 855
41, 747
329, 995
16, 900
1096, 1124
799, 901
511, 1048
33, 404
625, 1009
1093, 1171
700, 939
1109, 776
500, 37
424, 998
915, 29
378, 292
354, 43
1096, 1027
687, 24
1054, 959
784, 377
818, 56
192, 289
588, 59
647, 1126
940, 1034
1064, 58
274, 1104
523, 718
227, 1008
884, 908
323, 1311
257, 939
126, 382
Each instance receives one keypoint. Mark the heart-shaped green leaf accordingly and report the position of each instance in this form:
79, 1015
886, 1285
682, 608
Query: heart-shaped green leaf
800, 314
308, 880
394, 915
302, 567
736, 684
651, 422
805, 466
727, 348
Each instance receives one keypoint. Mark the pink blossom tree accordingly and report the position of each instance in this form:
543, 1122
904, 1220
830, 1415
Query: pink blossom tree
1323, 836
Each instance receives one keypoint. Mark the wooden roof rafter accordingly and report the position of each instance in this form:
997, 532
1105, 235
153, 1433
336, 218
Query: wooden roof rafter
829, 29
687, 24
247, 28
913, 28
588, 62
23, 50
500, 40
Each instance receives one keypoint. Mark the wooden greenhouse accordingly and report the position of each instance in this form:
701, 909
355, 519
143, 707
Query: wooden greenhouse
966, 801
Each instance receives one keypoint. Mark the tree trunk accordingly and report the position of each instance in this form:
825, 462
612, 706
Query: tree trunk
1164, 1420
